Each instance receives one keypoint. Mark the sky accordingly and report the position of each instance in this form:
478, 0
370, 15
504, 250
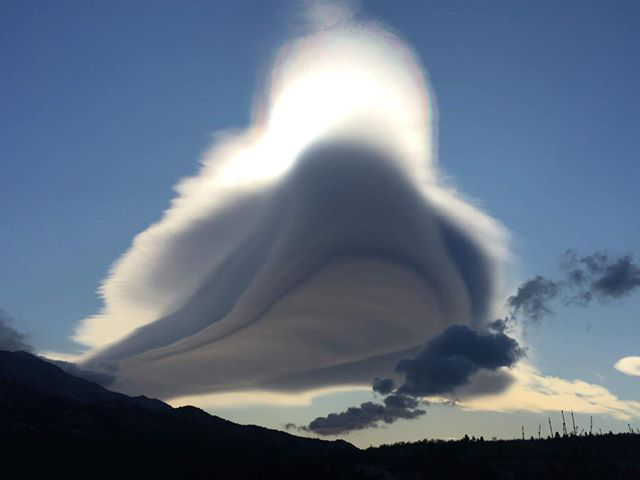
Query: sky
107, 105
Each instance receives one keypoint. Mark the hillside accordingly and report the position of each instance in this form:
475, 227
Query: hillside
54, 423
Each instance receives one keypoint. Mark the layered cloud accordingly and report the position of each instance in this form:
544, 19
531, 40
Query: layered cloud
316, 249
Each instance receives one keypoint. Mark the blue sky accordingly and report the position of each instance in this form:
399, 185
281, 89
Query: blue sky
107, 104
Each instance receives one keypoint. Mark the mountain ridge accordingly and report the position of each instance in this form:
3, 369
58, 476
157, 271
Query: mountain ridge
54, 423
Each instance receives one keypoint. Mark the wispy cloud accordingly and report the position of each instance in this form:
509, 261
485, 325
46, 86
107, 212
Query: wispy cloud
323, 14
10, 338
600, 276
533, 297
534, 392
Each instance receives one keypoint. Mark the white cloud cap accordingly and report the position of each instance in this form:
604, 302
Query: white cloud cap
629, 366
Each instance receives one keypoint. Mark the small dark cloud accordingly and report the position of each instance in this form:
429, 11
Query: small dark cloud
11, 339
383, 386
449, 360
599, 276
446, 362
585, 278
367, 415
533, 297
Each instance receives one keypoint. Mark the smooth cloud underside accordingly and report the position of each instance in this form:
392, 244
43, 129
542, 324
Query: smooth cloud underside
629, 366
314, 250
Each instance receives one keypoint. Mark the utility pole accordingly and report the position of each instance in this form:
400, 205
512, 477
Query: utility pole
575, 430
550, 428
564, 425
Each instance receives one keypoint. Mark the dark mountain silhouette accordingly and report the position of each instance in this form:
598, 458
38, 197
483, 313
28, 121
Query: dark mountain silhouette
42, 377
52, 423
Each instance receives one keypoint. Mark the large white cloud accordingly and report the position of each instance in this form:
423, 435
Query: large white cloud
313, 250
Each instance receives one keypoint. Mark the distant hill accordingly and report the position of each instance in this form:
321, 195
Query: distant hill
55, 424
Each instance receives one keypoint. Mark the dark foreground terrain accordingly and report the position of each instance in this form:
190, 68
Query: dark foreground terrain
52, 423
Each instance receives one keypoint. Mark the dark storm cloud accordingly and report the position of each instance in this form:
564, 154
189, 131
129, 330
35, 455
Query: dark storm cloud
449, 360
11, 339
368, 415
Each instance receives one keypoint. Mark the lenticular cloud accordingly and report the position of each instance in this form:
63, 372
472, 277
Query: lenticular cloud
316, 248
